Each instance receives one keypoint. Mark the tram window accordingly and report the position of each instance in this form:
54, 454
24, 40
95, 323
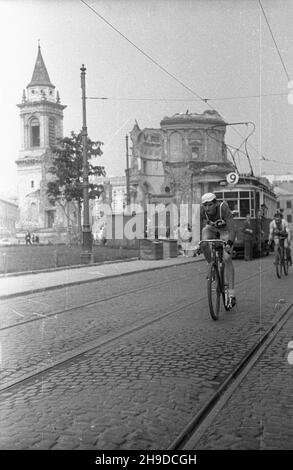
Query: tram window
244, 207
233, 205
244, 194
231, 195
257, 203
219, 195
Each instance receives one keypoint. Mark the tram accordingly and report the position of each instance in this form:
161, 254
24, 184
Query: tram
254, 196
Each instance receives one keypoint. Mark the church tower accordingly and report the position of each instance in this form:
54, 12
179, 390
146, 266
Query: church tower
41, 116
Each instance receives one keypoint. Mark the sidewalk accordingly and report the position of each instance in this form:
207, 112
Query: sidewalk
15, 285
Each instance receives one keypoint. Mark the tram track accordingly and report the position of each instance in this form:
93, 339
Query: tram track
101, 342
111, 338
92, 302
39, 290
53, 314
199, 423
205, 409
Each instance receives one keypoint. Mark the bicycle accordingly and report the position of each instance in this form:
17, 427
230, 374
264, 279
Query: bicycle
216, 286
281, 260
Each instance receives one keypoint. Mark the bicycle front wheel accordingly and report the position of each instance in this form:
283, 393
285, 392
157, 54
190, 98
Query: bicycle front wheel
285, 265
223, 290
278, 265
214, 291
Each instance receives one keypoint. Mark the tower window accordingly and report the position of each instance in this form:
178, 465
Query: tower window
52, 131
32, 184
194, 152
35, 133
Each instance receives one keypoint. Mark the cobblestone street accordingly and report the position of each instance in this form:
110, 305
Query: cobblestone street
150, 371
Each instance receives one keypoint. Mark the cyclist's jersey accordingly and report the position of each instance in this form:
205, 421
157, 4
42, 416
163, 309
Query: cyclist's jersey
221, 220
281, 229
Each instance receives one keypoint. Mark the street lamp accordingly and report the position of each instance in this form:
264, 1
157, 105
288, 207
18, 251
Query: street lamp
86, 253
127, 176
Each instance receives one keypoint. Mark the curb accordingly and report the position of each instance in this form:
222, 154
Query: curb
65, 268
87, 281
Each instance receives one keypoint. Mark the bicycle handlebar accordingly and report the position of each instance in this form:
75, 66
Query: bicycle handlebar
213, 240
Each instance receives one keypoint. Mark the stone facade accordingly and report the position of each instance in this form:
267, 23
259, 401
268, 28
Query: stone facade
180, 161
8, 217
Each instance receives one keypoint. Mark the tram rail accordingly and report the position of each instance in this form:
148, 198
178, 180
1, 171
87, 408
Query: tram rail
92, 302
199, 423
96, 344
189, 435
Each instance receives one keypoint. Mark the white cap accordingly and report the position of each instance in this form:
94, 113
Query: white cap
208, 197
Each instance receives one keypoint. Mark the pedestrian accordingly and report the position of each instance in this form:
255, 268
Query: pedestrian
248, 236
259, 232
28, 238
33, 238
176, 236
186, 236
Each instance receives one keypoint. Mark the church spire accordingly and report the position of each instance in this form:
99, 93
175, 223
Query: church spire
40, 74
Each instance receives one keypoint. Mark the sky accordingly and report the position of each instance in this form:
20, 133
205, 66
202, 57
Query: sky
216, 49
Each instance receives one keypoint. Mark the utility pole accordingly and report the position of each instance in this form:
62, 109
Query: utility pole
86, 229
127, 175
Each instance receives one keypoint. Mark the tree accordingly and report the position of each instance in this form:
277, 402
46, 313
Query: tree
67, 173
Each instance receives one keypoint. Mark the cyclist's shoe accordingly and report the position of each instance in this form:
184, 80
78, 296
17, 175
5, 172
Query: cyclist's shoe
213, 275
231, 301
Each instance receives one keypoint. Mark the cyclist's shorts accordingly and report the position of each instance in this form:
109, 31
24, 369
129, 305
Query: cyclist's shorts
210, 231
276, 239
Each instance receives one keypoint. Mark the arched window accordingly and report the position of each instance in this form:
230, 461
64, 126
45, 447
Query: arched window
195, 145
35, 132
176, 147
33, 212
52, 131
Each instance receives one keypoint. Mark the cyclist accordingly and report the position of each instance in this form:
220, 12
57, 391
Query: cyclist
279, 228
217, 222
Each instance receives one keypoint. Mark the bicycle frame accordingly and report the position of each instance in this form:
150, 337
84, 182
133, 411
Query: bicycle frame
216, 286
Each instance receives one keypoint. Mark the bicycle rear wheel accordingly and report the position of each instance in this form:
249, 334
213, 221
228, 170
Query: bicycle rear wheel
278, 265
214, 291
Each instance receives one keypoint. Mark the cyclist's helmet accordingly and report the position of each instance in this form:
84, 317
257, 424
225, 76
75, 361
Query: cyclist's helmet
208, 197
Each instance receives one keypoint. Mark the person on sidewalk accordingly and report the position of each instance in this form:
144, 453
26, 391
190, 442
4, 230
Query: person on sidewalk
28, 238
248, 238
186, 236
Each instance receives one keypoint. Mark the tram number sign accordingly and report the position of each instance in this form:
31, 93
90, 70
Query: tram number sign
232, 178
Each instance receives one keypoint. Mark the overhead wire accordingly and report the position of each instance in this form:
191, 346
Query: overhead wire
274, 40
187, 99
282, 62
200, 98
